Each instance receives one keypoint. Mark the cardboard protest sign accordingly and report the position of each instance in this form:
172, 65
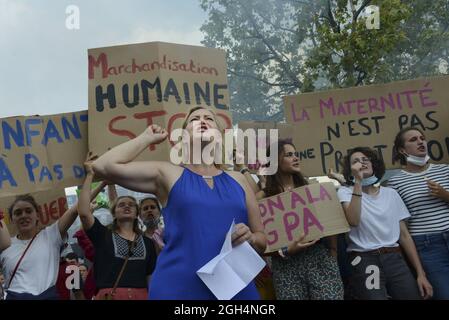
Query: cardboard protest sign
134, 86
42, 152
52, 203
312, 210
285, 131
328, 123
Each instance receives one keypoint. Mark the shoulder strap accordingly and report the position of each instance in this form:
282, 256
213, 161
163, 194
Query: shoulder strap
131, 247
20, 260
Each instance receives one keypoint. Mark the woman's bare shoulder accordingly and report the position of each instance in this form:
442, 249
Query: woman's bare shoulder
237, 176
169, 171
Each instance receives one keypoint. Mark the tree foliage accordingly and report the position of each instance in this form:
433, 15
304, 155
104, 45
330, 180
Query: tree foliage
282, 47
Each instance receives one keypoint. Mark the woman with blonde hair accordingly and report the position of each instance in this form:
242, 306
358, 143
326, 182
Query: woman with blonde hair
199, 201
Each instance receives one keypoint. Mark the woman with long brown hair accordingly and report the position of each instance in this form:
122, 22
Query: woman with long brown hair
378, 234
124, 258
302, 270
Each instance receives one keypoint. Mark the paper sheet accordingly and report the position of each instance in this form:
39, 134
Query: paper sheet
231, 270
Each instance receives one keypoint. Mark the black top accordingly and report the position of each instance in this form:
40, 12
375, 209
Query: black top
110, 254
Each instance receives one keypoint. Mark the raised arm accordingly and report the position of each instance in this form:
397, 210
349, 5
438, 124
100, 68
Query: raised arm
70, 215
112, 193
84, 210
116, 165
354, 207
67, 219
5, 239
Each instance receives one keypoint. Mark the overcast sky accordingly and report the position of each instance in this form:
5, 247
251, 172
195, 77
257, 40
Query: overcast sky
43, 65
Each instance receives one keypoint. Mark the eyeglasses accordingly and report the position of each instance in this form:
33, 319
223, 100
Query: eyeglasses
361, 160
291, 154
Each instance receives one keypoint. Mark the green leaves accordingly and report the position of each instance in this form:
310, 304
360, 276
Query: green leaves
280, 47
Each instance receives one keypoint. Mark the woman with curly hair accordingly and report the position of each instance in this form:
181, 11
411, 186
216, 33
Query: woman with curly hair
378, 232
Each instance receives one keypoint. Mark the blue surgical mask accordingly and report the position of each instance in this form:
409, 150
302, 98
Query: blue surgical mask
418, 161
367, 181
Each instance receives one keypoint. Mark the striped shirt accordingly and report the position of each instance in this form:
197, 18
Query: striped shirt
429, 214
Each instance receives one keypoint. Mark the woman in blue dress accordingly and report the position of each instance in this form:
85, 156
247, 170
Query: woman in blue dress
200, 202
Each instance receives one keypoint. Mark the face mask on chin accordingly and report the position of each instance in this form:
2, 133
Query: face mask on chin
418, 161
368, 181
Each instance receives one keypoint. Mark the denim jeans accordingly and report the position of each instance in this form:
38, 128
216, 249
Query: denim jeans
433, 249
394, 277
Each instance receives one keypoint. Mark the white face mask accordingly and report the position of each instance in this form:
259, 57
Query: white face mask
418, 161
368, 181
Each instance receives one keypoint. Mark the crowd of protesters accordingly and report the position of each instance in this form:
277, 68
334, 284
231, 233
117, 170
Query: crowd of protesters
154, 247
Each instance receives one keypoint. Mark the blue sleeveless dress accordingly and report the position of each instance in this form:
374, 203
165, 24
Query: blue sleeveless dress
196, 219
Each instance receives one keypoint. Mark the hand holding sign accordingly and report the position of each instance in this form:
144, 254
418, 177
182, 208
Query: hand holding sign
312, 210
88, 163
299, 245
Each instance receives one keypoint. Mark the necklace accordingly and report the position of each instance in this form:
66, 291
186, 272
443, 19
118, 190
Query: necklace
207, 177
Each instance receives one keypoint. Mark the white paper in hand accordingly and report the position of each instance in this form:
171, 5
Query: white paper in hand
232, 270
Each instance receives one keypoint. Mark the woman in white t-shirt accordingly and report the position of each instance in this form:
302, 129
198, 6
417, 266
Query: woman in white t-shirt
376, 216
34, 278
